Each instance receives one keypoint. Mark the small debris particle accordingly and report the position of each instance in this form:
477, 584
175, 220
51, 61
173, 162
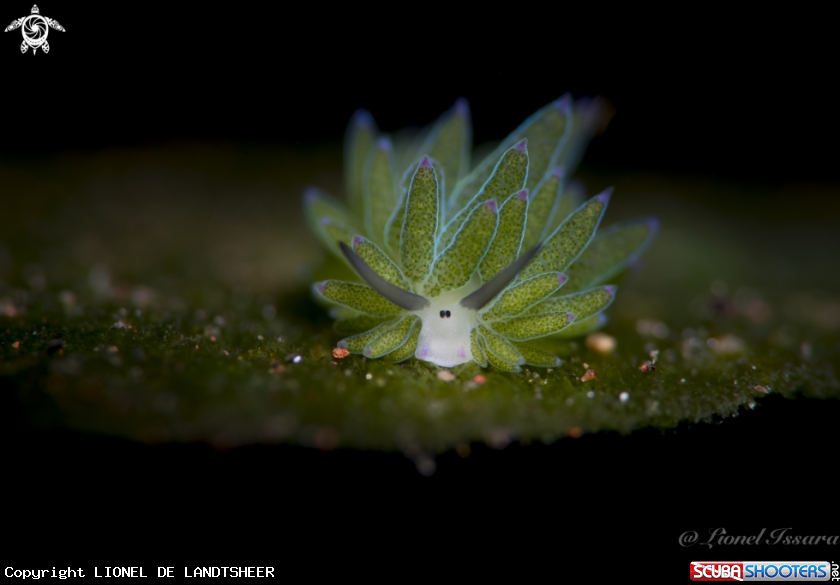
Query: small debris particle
624, 397
435, 408
445, 375
339, 353
225, 352
348, 372
326, 439
470, 385
479, 379
16, 344
269, 312
67, 298
425, 465
260, 337
652, 328
497, 438
277, 367
295, 358
600, 343
575, 432
368, 376
589, 375
761, 389
213, 338
682, 380
725, 344
333, 363
648, 365
54, 345
585, 365
196, 347
590, 394
758, 311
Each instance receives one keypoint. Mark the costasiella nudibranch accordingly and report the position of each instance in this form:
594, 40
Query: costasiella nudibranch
461, 263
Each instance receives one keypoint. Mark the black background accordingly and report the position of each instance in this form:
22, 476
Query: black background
744, 97
724, 94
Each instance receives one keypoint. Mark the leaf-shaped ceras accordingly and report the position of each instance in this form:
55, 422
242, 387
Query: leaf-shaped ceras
474, 265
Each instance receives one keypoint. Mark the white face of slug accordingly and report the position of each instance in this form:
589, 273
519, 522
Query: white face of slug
445, 341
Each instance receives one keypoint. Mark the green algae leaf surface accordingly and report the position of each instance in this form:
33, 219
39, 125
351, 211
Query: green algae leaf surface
163, 296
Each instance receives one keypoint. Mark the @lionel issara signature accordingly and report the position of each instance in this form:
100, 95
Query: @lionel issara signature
776, 536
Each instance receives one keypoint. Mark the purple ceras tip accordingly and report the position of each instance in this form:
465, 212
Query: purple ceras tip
605, 196
383, 143
342, 344
611, 288
522, 145
571, 317
311, 194
325, 221
559, 172
653, 224
321, 286
425, 163
363, 119
462, 108
492, 206
523, 194
368, 351
358, 240
562, 278
564, 104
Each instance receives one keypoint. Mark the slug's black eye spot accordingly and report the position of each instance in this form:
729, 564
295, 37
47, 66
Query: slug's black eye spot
448, 314
442, 314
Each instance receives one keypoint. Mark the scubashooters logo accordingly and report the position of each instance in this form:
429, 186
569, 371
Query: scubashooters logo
796, 571
35, 29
